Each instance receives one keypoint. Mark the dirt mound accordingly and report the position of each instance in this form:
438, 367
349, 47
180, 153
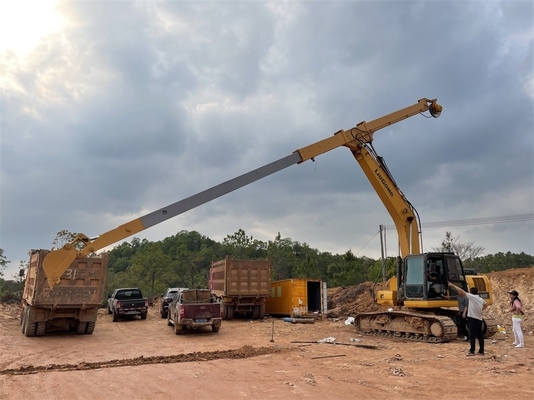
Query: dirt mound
348, 301
520, 279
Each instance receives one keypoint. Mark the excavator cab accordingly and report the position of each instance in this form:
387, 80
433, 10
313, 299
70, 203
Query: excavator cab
425, 277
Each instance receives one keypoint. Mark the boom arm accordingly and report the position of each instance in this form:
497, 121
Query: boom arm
356, 139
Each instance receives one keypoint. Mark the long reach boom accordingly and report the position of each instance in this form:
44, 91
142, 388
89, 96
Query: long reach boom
358, 139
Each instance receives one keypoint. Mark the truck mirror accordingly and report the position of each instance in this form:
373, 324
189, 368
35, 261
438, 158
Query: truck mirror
21, 273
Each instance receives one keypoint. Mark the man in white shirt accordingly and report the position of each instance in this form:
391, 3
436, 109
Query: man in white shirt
474, 317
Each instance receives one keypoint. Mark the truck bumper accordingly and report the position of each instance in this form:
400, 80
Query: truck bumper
192, 323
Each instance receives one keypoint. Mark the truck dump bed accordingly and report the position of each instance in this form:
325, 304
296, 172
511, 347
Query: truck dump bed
243, 286
81, 285
231, 277
72, 303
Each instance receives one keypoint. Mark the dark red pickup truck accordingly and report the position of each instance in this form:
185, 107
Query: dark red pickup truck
193, 309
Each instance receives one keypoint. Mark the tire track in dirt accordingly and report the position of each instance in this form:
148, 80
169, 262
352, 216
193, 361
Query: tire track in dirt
243, 352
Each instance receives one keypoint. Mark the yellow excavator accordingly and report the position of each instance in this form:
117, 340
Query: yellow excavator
421, 312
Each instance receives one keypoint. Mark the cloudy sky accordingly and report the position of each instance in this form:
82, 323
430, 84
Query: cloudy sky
113, 109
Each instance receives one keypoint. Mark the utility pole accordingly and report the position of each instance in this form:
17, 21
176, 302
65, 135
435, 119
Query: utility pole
382, 229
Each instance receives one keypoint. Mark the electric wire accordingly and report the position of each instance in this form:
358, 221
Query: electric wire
476, 221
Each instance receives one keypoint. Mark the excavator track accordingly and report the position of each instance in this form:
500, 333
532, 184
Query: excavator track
491, 327
407, 325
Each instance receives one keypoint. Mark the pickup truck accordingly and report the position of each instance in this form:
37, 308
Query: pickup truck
127, 302
166, 298
193, 309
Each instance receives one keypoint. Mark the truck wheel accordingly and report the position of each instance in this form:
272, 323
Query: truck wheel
178, 330
215, 328
256, 312
90, 328
163, 314
169, 323
262, 312
29, 329
115, 317
143, 315
109, 311
80, 329
23, 321
228, 312
40, 329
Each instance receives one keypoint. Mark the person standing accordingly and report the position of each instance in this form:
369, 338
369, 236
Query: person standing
463, 304
474, 317
516, 308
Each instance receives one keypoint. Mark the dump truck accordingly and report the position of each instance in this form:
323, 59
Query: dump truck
241, 285
70, 304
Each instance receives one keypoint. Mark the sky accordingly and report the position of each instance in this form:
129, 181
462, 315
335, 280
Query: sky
110, 110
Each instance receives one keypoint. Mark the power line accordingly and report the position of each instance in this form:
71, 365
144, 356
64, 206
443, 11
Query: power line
476, 221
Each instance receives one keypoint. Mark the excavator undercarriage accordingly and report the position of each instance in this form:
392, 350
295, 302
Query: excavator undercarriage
424, 326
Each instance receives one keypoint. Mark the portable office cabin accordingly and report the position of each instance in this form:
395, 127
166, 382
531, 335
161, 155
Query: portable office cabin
297, 298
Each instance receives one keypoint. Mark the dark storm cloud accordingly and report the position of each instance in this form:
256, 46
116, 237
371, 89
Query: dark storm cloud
135, 105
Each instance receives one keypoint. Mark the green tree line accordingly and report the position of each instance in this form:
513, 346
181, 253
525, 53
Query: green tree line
184, 260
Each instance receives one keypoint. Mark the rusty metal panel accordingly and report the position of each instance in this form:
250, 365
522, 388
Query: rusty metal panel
244, 278
81, 285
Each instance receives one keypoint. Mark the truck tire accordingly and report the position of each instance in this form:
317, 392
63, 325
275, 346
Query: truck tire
215, 328
115, 317
143, 315
90, 328
109, 311
169, 323
256, 312
23, 321
29, 329
178, 329
80, 329
228, 312
40, 329
262, 312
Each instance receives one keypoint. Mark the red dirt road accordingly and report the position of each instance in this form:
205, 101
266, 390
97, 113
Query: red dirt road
144, 360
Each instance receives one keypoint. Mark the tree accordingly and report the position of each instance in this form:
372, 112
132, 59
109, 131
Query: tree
241, 246
3, 263
466, 251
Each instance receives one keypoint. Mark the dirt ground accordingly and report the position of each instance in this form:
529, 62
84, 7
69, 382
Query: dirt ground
269, 359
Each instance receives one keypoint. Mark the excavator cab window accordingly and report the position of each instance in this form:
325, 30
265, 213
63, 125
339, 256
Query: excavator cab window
435, 278
455, 272
415, 273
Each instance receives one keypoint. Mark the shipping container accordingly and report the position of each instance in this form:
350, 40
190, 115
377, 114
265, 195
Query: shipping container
297, 298
242, 286
72, 303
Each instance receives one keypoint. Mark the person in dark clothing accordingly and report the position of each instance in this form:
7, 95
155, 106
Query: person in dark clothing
474, 317
463, 304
